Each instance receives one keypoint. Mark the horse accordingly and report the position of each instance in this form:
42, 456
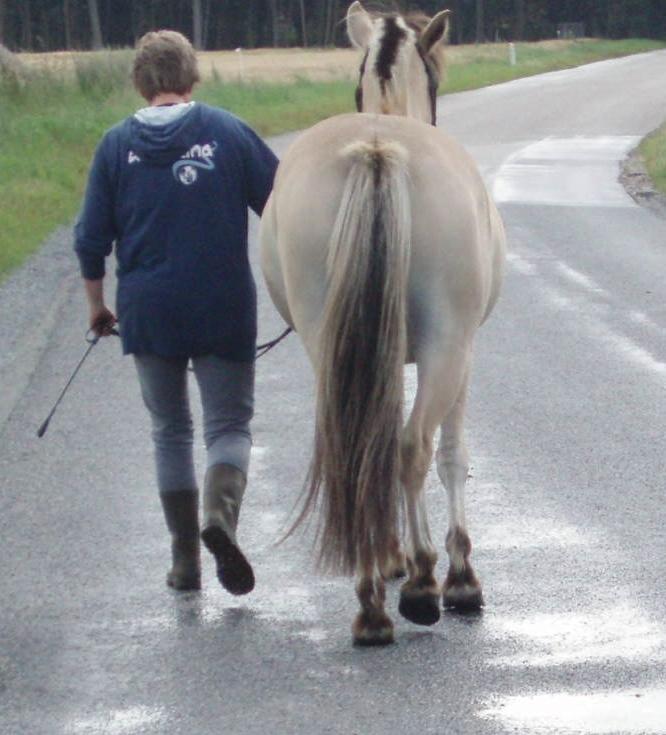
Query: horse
380, 246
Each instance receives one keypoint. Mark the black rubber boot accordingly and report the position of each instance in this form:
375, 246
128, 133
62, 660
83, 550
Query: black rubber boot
181, 512
223, 493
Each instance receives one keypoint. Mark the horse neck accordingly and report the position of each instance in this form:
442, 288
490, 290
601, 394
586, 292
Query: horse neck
419, 105
405, 94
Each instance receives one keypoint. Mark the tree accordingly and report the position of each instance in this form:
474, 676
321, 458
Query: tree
457, 21
519, 32
303, 25
26, 26
95, 25
53, 24
67, 23
197, 24
273, 4
480, 34
332, 10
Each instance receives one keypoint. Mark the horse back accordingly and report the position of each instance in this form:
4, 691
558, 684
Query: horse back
457, 240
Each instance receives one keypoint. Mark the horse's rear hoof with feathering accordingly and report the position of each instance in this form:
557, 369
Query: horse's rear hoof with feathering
381, 246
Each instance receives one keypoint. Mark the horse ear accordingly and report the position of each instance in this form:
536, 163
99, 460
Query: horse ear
359, 25
437, 30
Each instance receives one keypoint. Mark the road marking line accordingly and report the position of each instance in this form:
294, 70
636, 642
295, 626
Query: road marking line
580, 279
590, 316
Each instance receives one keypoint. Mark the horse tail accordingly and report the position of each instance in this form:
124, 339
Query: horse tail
361, 357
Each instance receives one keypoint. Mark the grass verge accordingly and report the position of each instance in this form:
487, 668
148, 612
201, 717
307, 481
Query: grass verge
50, 122
653, 150
472, 67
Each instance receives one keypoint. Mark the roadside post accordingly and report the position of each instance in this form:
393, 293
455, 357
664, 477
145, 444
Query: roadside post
241, 65
512, 54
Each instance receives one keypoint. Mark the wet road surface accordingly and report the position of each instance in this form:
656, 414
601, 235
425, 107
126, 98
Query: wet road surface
565, 502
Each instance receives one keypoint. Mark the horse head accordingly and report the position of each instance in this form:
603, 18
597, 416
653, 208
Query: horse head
403, 61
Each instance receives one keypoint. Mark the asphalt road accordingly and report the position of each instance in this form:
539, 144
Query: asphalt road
566, 502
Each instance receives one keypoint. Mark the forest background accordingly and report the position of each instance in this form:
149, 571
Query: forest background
49, 25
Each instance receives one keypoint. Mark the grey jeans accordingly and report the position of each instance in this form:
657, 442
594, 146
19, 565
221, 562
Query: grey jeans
227, 398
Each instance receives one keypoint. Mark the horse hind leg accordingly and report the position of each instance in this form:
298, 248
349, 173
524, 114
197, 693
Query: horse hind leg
395, 566
372, 626
419, 595
440, 381
461, 589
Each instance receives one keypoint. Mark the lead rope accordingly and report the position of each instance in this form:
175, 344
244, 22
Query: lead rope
93, 339
268, 346
261, 349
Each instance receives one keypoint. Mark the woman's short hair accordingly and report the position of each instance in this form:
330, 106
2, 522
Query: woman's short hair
165, 62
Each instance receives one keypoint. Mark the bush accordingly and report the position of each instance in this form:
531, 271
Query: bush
99, 74
13, 73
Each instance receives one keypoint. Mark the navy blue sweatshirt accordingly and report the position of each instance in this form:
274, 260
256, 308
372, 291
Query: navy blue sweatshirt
174, 198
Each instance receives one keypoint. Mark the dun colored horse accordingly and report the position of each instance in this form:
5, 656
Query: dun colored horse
381, 246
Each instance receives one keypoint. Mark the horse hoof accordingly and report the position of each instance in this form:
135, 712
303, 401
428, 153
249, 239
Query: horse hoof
375, 632
373, 640
422, 609
463, 598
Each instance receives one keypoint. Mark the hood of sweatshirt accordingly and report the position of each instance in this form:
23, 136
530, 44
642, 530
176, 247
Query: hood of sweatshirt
162, 143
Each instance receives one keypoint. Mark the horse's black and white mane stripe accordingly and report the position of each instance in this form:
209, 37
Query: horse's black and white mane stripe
393, 37
395, 33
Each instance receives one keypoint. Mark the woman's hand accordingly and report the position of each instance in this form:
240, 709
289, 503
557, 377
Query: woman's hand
102, 320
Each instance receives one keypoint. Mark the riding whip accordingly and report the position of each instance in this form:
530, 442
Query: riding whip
92, 341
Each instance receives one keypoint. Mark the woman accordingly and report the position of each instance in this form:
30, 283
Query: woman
171, 186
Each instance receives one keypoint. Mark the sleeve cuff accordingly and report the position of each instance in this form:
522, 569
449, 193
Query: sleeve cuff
92, 266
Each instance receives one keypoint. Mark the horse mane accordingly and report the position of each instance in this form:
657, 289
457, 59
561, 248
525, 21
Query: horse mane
418, 22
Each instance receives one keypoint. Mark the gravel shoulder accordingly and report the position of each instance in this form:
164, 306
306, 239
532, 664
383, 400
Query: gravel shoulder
32, 299
638, 184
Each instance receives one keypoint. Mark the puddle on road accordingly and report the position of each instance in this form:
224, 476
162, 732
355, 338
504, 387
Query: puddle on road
333, 672
289, 602
258, 460
530, 533
315, 635
598, 713
521, 265
566, 172
277, 596
553, 639
117, 722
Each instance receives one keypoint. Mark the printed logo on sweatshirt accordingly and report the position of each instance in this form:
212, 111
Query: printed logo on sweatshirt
198, 157
133, 158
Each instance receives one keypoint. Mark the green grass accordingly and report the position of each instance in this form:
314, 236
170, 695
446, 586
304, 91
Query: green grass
50, 123
277, 108
653, 150
49, 131
49, 127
